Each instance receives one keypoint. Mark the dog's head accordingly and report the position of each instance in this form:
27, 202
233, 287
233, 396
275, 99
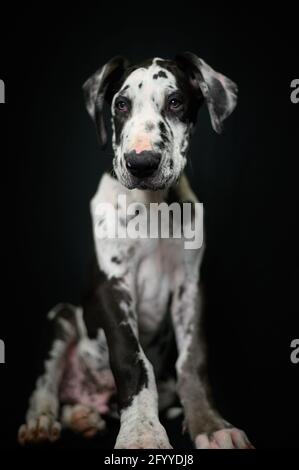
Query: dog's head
154, 107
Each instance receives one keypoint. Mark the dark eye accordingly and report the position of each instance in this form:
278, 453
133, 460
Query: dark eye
175, 103
122, 105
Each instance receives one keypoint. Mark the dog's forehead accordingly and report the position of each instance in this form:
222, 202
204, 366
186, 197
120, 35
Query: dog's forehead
154, 76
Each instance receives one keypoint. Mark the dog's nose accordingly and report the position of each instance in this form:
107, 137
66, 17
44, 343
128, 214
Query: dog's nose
142, 164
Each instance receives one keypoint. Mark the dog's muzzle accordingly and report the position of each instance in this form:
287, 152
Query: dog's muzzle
142, 164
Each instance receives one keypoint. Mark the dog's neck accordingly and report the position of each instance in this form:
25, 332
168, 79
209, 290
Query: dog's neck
147, 196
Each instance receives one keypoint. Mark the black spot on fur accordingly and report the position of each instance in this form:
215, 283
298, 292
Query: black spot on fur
162, 127
160, 145
181, 291
124, 89
115, 260
149, 126
171, 164
160, 74
140, 85
163, 132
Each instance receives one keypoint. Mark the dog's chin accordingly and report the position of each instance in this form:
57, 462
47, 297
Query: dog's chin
147, 183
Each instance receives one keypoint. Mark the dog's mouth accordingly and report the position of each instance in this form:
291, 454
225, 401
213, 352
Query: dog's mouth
152, 182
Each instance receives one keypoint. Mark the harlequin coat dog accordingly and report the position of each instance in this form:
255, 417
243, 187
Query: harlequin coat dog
142, 310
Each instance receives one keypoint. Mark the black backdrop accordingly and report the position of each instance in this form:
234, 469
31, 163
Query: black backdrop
247, 179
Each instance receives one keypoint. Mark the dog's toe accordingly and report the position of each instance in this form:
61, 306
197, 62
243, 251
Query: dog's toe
40, 429
83, 420
229, 438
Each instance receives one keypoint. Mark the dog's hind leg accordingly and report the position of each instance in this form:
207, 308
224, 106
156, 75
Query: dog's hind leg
87, 387
71, 379
42, 415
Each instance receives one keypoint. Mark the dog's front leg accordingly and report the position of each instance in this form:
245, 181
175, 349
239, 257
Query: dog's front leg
136, 388
206, 427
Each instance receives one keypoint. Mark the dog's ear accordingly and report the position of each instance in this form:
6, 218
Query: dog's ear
98, 88
219, 91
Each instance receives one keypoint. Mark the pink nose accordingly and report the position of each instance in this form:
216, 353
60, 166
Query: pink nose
142, 143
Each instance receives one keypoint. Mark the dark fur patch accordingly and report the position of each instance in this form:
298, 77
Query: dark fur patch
163, 132
116, 260
160, 74
149, 126
162, 127
181, 291
124, 89
132, 375
161, 145
101, 308
192, 98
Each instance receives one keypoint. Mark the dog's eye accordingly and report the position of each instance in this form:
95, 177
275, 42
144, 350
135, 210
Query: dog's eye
122, 105
175, 103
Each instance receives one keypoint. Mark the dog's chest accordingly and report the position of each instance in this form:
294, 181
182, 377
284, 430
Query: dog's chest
155, 272
148, 266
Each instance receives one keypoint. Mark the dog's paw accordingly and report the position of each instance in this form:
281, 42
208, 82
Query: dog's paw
83, 420
40, 429
142, 435
229, 438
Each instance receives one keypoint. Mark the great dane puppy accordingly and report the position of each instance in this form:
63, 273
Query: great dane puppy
142, 310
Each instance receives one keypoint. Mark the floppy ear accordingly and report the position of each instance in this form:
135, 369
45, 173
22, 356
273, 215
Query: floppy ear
96, 90
219, 91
